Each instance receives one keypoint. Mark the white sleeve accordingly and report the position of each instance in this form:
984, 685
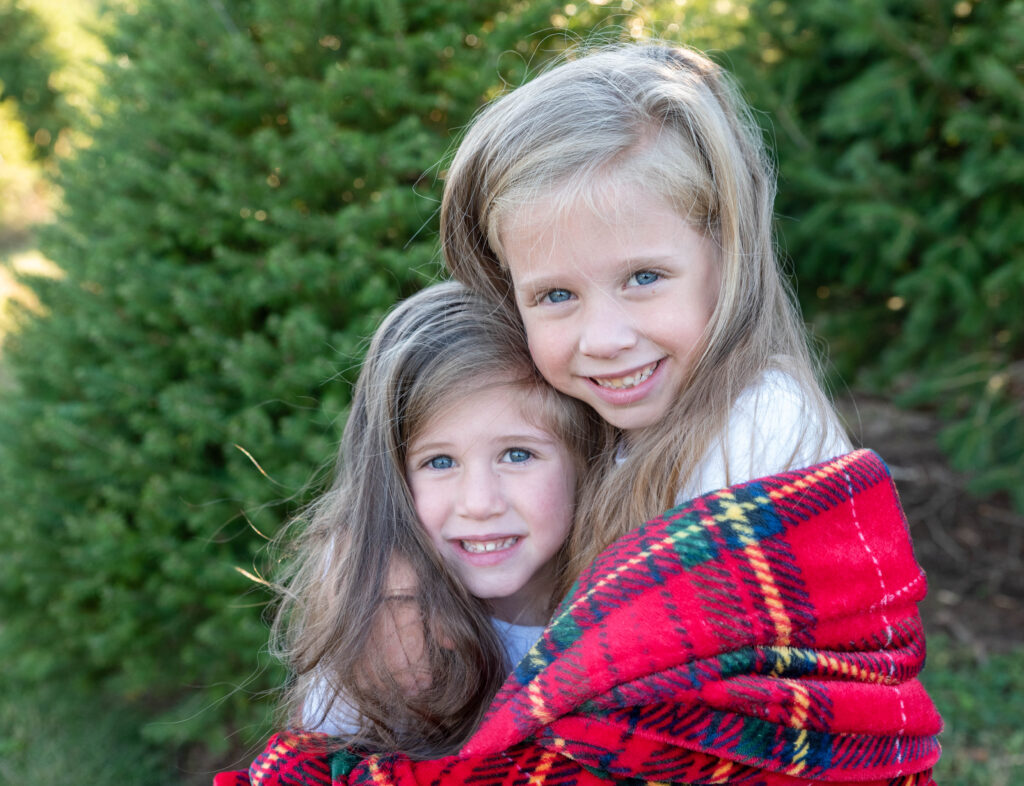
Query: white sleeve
770, 430
342, 720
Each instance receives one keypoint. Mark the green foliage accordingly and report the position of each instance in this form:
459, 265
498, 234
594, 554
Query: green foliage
32, 115
898, 127
983, 744
37, 723
18, 173
27, 64
258, 191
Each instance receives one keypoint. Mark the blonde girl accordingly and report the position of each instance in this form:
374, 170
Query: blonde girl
430, 565
621, 205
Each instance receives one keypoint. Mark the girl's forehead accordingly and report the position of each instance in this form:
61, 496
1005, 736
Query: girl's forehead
594, 192
620, 221
517, 397
605, 194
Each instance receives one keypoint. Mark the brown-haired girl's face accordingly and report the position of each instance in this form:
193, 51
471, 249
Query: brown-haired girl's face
495, 492
615, 297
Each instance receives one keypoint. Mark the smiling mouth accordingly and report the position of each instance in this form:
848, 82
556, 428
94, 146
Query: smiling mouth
623, 383
484, 546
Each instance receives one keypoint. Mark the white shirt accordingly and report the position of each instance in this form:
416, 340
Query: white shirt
518, 639
769, 430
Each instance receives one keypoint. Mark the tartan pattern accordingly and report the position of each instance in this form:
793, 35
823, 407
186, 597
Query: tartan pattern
762, 634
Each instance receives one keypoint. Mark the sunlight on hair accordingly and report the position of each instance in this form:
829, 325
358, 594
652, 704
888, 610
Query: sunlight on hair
256, 464
253, 577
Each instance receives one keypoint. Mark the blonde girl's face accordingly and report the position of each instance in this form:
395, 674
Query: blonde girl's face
495, 493
615, 297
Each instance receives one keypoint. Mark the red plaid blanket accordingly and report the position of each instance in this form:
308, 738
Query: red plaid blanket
764, 634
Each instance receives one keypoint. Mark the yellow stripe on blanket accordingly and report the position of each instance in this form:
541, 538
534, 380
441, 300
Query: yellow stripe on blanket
267, 765
736, 514
540, 772
798, 720
812, 478
380, 778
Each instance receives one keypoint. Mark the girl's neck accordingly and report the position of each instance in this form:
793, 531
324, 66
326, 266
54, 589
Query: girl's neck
515, 612
531, 605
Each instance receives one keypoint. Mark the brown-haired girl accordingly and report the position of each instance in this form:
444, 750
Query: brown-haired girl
430, 566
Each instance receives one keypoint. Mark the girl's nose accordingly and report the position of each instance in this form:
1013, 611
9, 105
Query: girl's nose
480, 495
606, 332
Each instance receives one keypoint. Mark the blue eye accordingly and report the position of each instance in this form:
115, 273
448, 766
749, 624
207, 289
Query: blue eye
557, 296
517, 455
441, 462
644, 277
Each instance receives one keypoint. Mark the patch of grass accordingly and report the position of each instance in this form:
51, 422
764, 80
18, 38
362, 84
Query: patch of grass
980, 702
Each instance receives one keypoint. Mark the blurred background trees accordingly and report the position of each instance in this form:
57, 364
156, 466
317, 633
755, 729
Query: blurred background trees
27, 62
253, 182
899, 130
29, 115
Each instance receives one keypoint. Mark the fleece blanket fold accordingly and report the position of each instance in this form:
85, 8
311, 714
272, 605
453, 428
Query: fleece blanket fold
766, 633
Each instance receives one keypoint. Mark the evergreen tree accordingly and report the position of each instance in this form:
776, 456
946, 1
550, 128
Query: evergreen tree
260, 188
899, 129
18, 177
27, 64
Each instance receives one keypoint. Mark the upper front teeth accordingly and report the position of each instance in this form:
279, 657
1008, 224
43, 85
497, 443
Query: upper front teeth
479, 547
617, 383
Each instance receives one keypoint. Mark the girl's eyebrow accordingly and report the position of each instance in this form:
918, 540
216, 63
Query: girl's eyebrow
537, 436
539, 283
436, 446
540, 436
648, 260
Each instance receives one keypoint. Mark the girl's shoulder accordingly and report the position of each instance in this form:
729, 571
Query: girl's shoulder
329, 712
773, 425
774, 385
517, 639
782, 425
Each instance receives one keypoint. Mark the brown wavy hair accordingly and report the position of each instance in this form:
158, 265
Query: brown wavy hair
370, 617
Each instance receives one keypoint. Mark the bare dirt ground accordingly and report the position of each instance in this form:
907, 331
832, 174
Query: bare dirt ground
970, 548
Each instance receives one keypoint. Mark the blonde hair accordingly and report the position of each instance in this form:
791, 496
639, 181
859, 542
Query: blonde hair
670, 120
338, 609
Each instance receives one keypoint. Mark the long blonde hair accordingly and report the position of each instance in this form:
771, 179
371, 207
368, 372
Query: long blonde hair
670, 120
337, 602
